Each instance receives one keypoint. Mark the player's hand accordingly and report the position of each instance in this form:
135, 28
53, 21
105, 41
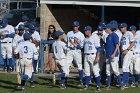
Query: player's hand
96, 60
73, 43
125, 52
76, 41
113, 55
4, 35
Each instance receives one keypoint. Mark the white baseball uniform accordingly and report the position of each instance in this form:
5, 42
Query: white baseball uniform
138, 32
59, 50
37, 37
6, 43
16, 41
74, 53
105, 36
90, 45
135, 64
27, 51
125, 43
118, 32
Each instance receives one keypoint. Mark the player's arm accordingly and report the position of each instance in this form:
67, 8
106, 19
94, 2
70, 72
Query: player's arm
80, 42
11, 34
98, 48
8, 35
64, 46
16, 51
116, 42
131, 38
35, 52
36, 42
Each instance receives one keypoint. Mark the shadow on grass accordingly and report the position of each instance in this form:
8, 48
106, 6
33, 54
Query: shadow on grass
9, 85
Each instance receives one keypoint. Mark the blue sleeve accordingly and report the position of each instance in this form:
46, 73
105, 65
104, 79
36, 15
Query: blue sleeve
98, 49
115, 39
11, 35
78, 46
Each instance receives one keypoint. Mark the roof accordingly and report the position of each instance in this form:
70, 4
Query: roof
132, 3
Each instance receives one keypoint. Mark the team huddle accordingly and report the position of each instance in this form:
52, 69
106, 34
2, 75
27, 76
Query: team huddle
23, 45
84, 49
119, 45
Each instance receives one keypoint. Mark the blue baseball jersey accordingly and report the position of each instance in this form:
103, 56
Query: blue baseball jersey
110, 46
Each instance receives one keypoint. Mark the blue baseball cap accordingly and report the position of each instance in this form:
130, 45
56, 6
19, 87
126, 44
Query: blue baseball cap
115, 24
32, 26
109, 26
103, 24
76, 23
26, 35
132, 28
88, 28
100, 28
58, 33
21, 26
3, 22
123, 25
25, 18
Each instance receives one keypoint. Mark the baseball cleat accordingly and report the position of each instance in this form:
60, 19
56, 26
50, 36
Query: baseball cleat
81, 84
133, 85
126, 86
32, 85
63, 86
98, 89
122, 87
86, 87
22, 89
108, 88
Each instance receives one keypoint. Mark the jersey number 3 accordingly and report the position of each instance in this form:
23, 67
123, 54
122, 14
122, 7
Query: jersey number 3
25, 49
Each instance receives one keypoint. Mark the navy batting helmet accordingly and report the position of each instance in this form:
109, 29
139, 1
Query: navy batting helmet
21, 27
115, 24
26, 35
103, 24
3, 22
32, 26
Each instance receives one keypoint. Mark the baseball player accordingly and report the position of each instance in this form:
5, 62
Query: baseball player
6, 43
59, 50
75, 41
102, 43
135, 64
23, 22
101, 26
112, 53
127, 42
138, 33
16, 41
27, 51
91, 57
118, 32
35, 39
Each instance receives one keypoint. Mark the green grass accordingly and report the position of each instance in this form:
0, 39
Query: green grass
43, 85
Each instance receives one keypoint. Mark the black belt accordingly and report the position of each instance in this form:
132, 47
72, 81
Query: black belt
6, 42
135, 53
27, 58
89, 53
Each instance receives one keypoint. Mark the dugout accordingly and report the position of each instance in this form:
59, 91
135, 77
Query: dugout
62, 13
